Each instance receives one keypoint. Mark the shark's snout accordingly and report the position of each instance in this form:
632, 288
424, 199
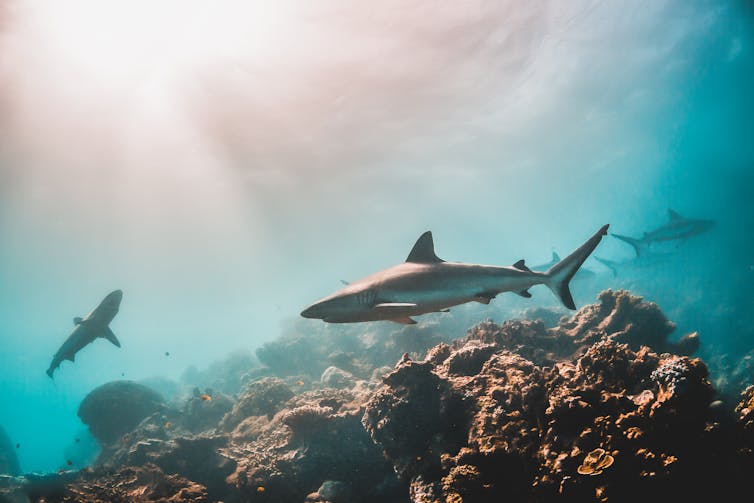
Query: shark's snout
115, 296
312, 311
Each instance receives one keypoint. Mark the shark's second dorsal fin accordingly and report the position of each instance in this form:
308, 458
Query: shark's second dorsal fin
423, 251
555, 256
521, 266
673, 215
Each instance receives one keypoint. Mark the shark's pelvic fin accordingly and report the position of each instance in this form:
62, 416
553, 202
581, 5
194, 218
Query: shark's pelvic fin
485, 297
423, 251
345, 282
404, 320
521, 266
673, 215
110, 336
77, 320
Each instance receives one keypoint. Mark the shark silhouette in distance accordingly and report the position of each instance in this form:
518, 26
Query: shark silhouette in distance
677, 228
94, 325
425, 283
582, 273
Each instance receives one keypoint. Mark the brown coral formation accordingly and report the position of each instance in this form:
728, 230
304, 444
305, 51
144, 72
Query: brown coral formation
601, 407
579, 415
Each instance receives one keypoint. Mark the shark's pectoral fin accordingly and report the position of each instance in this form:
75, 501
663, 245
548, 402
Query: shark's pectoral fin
70, 358
394, 305
77, 320
525, 294
404, 320
485, 297
110, 336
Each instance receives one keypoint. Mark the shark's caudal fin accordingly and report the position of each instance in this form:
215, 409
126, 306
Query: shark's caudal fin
609, 264
561, 273
635, 243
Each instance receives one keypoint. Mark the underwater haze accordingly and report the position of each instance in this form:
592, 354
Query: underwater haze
227, 164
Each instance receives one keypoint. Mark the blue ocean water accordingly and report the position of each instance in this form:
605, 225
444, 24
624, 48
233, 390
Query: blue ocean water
223, 190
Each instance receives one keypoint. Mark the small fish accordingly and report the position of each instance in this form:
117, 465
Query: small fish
205, 397
167, 353
300, 382
126, 439
18, 446
78, 440
122, 374
69, 462
168, 425
260, 489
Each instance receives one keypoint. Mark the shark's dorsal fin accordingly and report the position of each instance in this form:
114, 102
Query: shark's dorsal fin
521, 266
77, 320
423, 251
673, 215
555, 256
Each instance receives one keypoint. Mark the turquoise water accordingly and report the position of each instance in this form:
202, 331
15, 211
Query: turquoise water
224, 186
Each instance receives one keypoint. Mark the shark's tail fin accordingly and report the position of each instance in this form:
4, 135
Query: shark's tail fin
609, 264
561, 273
635, 243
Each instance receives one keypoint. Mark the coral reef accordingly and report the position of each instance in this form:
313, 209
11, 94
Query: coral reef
495, 417
115, 408
602, 406
144, 484
8, 458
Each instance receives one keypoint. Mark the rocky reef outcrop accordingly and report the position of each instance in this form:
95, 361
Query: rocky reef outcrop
115, 408
601, 406
8, 457
507, 414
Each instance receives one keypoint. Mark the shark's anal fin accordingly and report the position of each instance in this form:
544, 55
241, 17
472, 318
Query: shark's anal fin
485, 297
110, 336
521, 266
404, 320
673, 215
525, 294
77, 320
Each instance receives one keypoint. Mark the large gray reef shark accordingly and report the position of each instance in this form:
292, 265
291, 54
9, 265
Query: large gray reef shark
677, 228
94, 325
425, 283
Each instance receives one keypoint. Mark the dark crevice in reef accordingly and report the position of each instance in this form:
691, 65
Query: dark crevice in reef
601, 407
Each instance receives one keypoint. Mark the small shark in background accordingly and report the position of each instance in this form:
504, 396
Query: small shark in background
677, 228
582, 273
94, 325
425, 283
